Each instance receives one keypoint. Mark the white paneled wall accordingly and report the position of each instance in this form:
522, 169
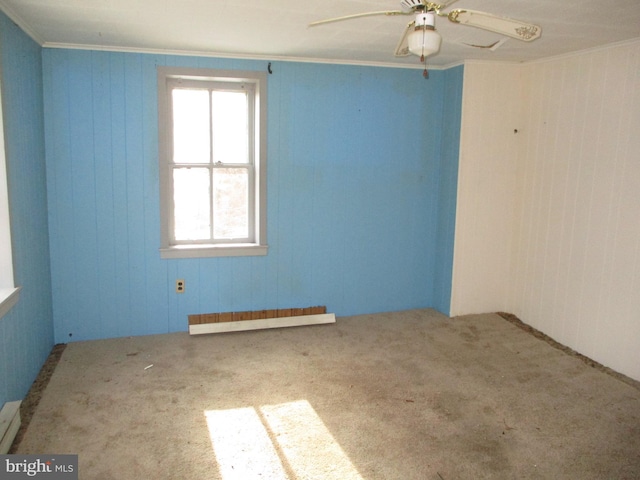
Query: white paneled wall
562, 230
577, 275
487, 186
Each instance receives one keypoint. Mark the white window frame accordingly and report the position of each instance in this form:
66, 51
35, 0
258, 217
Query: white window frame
170, 77
9, 294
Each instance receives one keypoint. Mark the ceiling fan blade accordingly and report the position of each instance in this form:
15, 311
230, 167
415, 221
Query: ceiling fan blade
358, 15
502, 25
402, 50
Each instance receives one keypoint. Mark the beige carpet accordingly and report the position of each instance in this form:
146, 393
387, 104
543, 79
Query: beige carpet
407, 395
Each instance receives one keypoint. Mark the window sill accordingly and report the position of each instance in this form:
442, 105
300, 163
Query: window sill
202, 251
8, 298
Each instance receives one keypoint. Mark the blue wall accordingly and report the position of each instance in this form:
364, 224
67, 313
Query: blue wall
356, 183
26, 332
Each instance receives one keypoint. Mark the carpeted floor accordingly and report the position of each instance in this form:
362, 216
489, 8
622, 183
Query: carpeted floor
405, 395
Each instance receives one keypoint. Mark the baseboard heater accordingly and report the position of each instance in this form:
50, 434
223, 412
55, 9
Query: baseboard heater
258, 320
9, 425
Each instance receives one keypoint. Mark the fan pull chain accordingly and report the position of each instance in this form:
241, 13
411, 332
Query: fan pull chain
425, 73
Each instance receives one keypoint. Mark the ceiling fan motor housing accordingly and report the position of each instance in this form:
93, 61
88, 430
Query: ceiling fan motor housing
426, 19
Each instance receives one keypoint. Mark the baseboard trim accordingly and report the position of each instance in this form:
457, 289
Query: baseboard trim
261, 324
9, 425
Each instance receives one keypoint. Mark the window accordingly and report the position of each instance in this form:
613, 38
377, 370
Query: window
8, 293
212, 131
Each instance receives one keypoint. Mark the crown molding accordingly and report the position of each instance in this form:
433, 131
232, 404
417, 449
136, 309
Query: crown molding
236, 56
17, 19
586, 51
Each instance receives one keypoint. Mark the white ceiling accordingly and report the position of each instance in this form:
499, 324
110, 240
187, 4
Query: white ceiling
277, 29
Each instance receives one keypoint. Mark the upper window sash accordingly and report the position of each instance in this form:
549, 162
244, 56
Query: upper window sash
216, 86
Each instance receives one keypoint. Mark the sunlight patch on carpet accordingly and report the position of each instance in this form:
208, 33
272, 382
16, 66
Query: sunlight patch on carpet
284, 441
242, 446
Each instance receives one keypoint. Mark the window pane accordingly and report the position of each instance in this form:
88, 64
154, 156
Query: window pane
230, 203
191, 204
191, 126
230, 117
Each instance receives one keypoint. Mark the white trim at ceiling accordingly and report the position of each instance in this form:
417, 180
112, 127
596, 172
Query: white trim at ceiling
15, 18
586, 51
577, 53
239, 56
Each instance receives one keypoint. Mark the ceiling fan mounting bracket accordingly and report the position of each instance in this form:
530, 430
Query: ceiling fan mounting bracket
422, 5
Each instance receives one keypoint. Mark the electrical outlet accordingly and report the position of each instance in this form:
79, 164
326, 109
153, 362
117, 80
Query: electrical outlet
180, 285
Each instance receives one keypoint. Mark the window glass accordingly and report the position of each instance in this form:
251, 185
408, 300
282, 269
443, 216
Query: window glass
230, 203
230, 125
202, 118
191, 142
191, 204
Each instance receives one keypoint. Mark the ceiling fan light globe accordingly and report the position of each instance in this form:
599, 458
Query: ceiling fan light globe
424, 41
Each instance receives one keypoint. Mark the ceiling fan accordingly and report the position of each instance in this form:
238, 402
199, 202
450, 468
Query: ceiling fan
420, 36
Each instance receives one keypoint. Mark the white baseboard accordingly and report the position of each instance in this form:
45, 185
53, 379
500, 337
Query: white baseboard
9, 424
261, 324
